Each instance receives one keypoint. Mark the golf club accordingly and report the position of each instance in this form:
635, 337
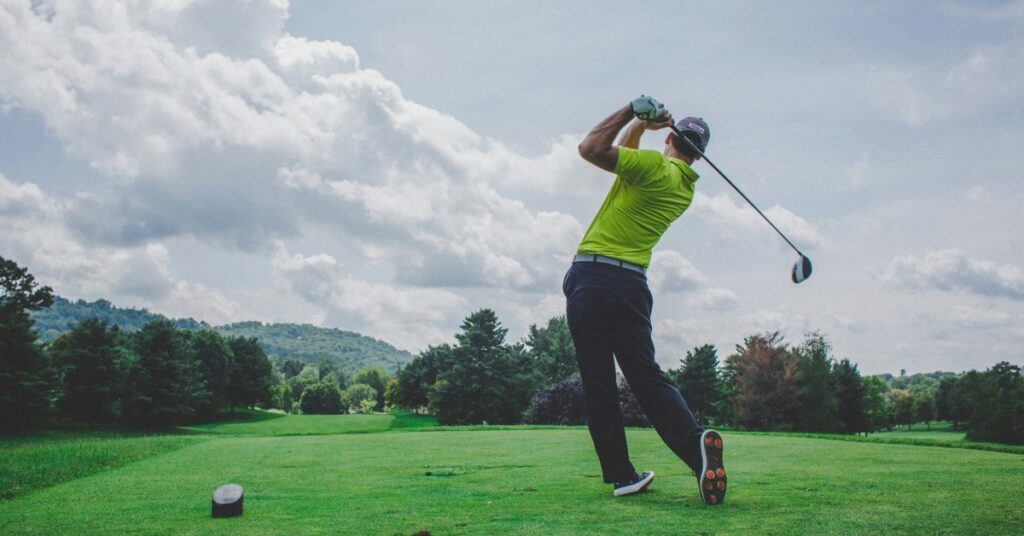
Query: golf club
802, 268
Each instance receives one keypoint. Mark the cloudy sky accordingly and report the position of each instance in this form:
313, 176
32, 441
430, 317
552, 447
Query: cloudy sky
389, 167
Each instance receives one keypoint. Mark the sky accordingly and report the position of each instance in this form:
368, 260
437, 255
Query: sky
390, 167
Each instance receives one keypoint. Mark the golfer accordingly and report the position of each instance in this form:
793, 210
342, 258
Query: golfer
609, 304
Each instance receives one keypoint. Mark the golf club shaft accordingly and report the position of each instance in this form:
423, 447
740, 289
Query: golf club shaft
747, 199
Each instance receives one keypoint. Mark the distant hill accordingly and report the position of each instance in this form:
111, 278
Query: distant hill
59, 317
281, 341
307, 343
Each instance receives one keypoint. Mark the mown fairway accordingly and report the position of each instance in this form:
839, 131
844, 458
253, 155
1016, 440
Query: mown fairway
525, 481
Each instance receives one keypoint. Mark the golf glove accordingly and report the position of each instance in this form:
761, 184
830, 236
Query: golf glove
647, 108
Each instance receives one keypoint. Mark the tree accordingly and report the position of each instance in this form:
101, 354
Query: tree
416, 380
876, 404
488, 382
765, 382
390, 394
357, 394
377, 378
291, 368
995, 398
818, 405
252, 374
323, 397
924, 408
850, 393
167, 387
296, 386
698, 380
25, 378
903, 407
944, 399
215, 361
89, 360
328, 369
551, 350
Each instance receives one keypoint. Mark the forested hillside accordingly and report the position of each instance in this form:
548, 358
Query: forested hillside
304, 342
63, 314
307, 343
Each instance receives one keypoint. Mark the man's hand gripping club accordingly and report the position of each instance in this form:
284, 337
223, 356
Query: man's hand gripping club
597, 147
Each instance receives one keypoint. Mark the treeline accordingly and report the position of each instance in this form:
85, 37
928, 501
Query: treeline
163, 375
157, 375
765, 384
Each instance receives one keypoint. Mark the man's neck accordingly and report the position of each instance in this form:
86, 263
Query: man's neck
671, 153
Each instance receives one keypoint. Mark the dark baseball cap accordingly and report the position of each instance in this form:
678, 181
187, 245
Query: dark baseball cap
700, 129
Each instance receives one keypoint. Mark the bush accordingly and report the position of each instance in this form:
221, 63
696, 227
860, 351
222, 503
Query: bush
321, 398
564, 404
561, 403
632, 413
357, 393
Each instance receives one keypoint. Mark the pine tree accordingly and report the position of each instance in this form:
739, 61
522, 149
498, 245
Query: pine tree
552, 351
252, 374
215, 358
698, 381
818, 406
850, 393
488, 381
167, 387
25, 376
90, 361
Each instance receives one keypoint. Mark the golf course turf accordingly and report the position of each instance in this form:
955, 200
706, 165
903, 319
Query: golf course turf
517, 481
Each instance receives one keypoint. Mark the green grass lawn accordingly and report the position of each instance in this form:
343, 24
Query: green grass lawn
264, 423
34, 462
525, 481
942, 430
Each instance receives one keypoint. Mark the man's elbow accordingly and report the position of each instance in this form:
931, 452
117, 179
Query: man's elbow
603, 158
585, 150
590, 152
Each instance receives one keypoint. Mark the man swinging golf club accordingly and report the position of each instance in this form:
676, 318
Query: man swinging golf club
609, 304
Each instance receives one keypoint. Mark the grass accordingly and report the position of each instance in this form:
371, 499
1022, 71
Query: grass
942, 431
35, 462
523, 481
273, 424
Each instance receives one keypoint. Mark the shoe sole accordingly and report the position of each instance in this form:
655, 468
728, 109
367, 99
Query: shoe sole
712, 483
635, 488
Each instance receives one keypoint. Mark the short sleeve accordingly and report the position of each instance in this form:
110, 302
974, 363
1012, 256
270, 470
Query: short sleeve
639, 166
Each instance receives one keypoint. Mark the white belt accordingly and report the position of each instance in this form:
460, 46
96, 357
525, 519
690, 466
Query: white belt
588, 257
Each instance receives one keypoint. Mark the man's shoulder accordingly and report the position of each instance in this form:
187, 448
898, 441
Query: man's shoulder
640, 165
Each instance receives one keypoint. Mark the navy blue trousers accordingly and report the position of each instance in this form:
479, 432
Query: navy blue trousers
609, 313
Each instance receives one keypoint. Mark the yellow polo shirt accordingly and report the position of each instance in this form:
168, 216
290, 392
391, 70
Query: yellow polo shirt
650, 192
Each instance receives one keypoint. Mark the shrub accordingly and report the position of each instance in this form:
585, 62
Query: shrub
321, 398
561, 403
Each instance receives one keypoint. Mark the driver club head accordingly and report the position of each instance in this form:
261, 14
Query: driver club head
802, 269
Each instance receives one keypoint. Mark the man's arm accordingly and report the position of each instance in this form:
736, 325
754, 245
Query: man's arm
597, 147
631, 136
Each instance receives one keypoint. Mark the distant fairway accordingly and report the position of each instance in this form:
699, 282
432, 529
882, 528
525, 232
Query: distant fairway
263, 423
524, 481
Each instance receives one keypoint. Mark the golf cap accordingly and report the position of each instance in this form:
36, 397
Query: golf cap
698, 127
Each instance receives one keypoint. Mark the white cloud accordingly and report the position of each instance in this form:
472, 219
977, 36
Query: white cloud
952, 269
211, 141
406, 317
37, 236
671, 272
734, 220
